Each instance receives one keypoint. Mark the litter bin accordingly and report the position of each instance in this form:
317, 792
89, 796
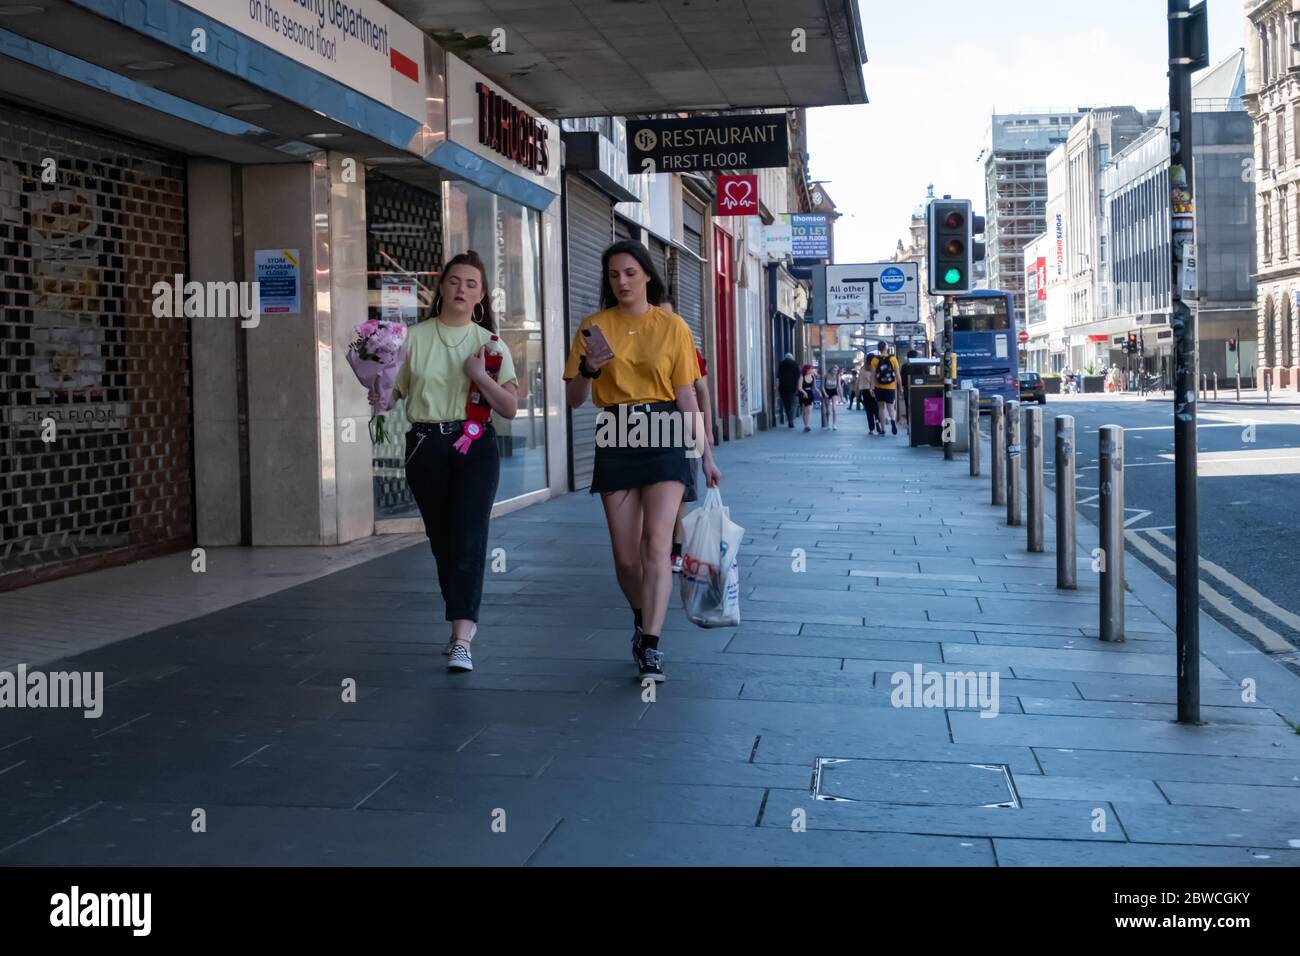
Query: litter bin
924, 380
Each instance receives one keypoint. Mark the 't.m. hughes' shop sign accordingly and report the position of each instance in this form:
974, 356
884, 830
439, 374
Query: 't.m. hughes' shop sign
703, 143
511, 131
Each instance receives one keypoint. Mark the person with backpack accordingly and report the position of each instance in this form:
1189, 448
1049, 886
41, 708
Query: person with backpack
885, 375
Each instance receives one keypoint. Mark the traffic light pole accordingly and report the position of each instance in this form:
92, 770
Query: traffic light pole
949, 439
1238, 351
1183, 55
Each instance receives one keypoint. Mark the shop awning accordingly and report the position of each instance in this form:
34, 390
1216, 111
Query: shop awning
573, 58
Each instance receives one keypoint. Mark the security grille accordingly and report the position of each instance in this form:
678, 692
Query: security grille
95, 437
403, 241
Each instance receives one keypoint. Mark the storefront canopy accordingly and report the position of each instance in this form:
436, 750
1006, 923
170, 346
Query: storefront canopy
577, 58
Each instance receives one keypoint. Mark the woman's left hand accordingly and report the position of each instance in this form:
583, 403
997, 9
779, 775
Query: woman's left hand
476, 365
712, 474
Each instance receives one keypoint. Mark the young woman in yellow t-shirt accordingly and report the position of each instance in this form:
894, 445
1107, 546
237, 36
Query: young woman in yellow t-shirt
635, 358
445, 356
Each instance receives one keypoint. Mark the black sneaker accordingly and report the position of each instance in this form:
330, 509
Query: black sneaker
893, 426
649, 660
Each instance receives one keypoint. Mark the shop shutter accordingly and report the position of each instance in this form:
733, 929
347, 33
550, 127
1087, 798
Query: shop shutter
589, 231
659, 256
625, 230
690, 285
79, 343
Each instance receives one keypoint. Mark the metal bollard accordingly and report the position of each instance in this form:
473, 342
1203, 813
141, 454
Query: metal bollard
973, 429
1110, 483
998, 449
1268, 387
1216, 385
1012, 415
1033, 428
1067, 521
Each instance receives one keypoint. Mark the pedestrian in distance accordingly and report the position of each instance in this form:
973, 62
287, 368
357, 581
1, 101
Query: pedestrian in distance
885, 374
831, 391
867, 396
454, 487
632, 358
807, 394
787, 385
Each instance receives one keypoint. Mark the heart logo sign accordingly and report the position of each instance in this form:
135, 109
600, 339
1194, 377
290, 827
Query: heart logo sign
738, 195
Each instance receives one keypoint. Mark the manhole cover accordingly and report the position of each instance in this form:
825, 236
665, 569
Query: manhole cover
919, 782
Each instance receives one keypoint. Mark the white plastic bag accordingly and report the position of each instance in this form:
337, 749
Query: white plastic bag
710, 578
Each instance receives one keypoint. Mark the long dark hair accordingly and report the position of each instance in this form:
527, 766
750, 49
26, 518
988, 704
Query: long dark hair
655, 290
482, 314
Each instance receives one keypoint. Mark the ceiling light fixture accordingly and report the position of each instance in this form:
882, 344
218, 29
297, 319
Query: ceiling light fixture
144, 66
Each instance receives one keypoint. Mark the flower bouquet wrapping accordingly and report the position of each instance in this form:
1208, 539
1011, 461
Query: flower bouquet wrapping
376, 357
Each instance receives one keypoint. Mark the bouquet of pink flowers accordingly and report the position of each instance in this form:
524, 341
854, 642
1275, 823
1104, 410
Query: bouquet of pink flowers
375, 357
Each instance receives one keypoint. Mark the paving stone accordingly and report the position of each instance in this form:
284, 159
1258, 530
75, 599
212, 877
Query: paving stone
1102, 733
158, 834
1053, 853
1215, 826
1264, 771
597, 844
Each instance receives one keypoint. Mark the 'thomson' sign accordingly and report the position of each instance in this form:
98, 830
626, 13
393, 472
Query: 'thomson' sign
700, 143
512, 132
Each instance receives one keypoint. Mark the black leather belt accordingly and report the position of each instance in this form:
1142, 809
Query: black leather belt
443, 428
640, 408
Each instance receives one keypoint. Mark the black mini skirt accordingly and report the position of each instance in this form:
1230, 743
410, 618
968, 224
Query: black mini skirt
619, 467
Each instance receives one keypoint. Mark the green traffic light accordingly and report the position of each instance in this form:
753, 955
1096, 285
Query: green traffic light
952, 276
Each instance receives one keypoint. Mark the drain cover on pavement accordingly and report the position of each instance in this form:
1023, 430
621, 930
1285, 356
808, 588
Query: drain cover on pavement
920, 782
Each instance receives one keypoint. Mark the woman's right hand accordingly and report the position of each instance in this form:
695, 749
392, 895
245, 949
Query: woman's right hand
597, 356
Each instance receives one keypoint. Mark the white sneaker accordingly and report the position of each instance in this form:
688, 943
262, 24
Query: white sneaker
451, 641
460, 659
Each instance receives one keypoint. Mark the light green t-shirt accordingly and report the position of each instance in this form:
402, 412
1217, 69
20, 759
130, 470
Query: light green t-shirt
432, 379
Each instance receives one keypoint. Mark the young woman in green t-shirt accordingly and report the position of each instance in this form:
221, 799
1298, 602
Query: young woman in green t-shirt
446, 356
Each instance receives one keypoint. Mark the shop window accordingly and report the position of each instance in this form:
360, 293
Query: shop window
505, 234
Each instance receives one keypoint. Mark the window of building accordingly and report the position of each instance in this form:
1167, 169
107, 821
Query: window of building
1263, 143
1268, 229
1283, 226
1295, 125
1281, 139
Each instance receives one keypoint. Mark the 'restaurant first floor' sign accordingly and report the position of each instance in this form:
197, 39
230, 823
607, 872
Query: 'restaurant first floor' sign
704, 143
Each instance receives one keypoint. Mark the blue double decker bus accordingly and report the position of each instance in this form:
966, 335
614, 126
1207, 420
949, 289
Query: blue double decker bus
985, 330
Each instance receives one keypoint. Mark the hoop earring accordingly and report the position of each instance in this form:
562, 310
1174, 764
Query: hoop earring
478, 312
437, 304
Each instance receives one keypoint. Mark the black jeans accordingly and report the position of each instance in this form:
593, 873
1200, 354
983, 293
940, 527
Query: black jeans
787, 406
455, 494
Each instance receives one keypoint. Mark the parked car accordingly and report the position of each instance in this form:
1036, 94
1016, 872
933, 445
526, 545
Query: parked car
1032, 389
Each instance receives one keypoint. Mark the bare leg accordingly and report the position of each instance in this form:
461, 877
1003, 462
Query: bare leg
623, 516
659, 503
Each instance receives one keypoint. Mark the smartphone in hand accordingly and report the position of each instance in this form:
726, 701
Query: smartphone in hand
597, 345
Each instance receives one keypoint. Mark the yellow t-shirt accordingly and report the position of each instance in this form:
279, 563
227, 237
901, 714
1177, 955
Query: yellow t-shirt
654, 355
432, 379
875, 360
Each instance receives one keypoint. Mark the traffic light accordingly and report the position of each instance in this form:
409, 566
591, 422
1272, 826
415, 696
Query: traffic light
1232, 345
951, 249
1131, 347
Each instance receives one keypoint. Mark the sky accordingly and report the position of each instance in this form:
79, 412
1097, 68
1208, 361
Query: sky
926, 125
